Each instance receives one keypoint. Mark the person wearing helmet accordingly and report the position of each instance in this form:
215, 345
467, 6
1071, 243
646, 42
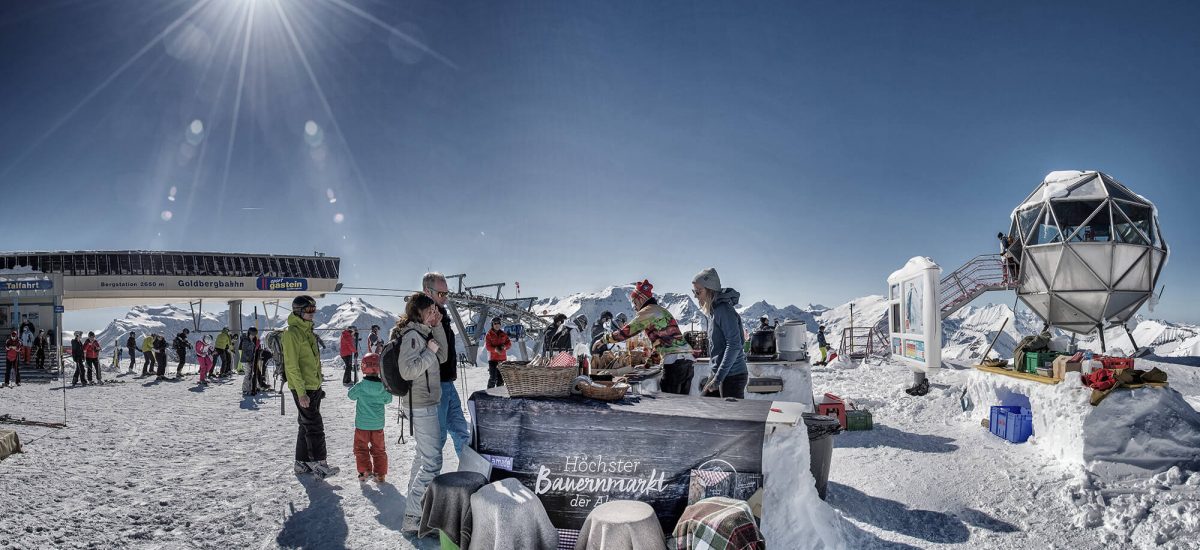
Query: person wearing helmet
662, 330
370, 397
498, 344
302, 361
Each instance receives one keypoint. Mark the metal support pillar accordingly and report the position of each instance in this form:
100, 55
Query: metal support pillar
234, 319
1100, 329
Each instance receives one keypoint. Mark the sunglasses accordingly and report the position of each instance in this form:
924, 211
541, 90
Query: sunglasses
441, 293
310, 310
695, 293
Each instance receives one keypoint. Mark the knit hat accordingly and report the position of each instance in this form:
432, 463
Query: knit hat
643, 289
370, 363
708, 278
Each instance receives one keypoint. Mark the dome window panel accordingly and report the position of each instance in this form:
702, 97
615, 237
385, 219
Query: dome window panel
1028, 219
1047, 231
1079, 220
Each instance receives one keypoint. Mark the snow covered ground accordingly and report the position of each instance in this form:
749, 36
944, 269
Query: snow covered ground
168, 465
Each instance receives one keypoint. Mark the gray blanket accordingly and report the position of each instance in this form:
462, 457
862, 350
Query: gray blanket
447, 505
505, 514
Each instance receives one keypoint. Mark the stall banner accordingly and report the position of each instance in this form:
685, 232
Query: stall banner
576, 453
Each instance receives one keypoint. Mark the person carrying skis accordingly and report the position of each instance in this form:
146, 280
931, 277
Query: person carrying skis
181, 345
347, 351
303, 364
498, 344
370, 397
12, 349
91, 353
660, 327
77, 357
204, 351
131, 345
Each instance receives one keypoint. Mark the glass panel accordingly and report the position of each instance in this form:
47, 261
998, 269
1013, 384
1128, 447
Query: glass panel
1079, 218
1088, 188
1118, 191
1073, 274
1028, 218
1119, 301
1098, 256
1124, 228
1090, 303
273, 270
1138, 277
1047, 231
1063, 313
337, 268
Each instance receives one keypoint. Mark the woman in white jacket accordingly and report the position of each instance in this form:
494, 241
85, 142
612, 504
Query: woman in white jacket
418, 364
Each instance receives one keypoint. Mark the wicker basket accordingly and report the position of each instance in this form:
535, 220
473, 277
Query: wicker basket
610, 391
523, 380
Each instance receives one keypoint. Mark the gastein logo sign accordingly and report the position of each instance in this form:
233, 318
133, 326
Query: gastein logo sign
282, 283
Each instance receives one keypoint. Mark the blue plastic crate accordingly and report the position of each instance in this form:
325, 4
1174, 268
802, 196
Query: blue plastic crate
1011, 422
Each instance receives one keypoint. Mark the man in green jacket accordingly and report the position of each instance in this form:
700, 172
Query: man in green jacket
302, 362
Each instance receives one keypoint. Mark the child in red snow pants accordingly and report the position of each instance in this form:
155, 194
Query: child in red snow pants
370, 452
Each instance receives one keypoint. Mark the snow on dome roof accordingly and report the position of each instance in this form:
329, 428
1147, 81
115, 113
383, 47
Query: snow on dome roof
1078, 185
915, 265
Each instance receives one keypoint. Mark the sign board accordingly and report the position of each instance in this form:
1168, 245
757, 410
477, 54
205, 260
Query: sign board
33, 284
584, 453
133, 285
60, 309
914, 314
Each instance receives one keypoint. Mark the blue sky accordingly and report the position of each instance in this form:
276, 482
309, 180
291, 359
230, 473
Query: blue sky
804, 149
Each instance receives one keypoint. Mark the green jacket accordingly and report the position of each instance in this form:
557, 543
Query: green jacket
301, 360
371, 399
147, 343
223, 340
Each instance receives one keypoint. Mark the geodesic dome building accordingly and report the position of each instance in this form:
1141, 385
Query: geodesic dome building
1090, 250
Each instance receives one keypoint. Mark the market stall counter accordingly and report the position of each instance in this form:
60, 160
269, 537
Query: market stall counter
796, 377
665, 450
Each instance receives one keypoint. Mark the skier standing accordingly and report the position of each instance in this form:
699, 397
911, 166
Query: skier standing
347, 351
131, 345
823, 345
370, 451
91, 352
77, 356
204, 351
148, 355
223, 344
160, 355
302, 362
181, 346
12, 350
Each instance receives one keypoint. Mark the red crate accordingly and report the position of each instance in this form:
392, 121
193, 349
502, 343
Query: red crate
833, 406
1116, 362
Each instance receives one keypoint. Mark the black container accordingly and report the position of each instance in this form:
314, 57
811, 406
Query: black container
821, 430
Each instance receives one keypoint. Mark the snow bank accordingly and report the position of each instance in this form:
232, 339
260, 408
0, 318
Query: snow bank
794, 516
1131, 433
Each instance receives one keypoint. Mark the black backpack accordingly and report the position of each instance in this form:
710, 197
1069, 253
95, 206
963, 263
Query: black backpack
389, 367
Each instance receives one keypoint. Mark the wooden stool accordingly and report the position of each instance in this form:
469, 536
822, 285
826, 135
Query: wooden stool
621, 525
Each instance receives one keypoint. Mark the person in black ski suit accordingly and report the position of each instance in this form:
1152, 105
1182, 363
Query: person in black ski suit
160, 355
131, 345
41, 347
181, 345
77, 356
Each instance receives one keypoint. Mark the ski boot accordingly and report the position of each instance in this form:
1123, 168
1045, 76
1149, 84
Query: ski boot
322, 469
921, 388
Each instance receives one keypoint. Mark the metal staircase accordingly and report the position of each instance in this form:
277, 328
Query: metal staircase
984, 273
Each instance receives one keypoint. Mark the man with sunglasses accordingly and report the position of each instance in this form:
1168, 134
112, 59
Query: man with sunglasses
302, 361
450, 414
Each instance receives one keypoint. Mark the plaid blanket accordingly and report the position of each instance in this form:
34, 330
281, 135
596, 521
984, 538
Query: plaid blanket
718, 523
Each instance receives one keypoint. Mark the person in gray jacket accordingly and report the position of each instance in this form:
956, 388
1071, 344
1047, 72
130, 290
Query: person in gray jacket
419, 364
726, 341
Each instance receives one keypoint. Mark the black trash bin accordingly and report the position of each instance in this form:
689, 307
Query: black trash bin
821, 430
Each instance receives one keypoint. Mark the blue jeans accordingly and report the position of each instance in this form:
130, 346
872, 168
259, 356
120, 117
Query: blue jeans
450, 416
427, 463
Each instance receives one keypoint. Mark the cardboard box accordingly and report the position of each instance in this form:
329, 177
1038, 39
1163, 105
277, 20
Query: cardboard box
1062, 366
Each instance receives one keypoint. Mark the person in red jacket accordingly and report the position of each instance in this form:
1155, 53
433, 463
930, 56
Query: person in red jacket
498, 344
348, 350
91, 355
12, 356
